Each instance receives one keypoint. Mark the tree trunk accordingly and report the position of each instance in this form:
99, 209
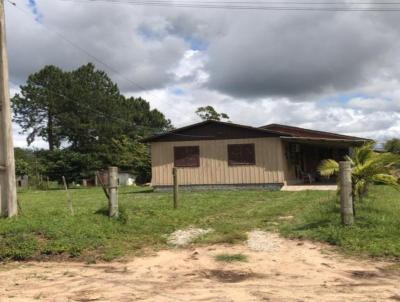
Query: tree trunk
50, 130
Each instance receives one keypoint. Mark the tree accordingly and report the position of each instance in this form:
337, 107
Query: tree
91, 116
141, 120
209, 113
130, 155
368, 167
73, 165
393, 145
23, 161
37, 108
84, 111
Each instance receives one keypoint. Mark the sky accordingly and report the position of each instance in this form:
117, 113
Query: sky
332, 71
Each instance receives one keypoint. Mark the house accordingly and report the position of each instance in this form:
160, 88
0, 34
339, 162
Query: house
214, 154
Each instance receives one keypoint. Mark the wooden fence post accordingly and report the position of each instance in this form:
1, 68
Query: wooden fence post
346, 199
113, 192
68, 196
175, 177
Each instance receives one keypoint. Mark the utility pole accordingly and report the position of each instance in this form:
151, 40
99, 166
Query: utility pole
8, 188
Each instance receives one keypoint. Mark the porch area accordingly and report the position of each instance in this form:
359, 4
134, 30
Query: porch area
304, 155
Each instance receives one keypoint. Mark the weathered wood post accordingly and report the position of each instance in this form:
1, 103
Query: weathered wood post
84, 182
346, 199
175, 178
8, 198
96, 181
68, 196
113, 192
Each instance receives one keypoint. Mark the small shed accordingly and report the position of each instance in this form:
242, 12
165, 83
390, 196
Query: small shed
22, 181
126, 179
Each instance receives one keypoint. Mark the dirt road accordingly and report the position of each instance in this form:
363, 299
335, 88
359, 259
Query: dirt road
292, 271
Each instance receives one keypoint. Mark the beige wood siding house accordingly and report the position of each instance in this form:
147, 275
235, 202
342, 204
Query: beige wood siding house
270, 160
214, 169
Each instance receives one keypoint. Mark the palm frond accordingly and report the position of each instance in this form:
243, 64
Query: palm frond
348, 158
387, 179
389, 159
363, 154
328, 167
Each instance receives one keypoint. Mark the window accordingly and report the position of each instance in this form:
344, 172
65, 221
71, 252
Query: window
243, 154
188, 156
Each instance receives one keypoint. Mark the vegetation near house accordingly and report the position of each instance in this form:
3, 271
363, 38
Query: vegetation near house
147, 219
209, 113
368, 167
86, 122
392, 145
23, 162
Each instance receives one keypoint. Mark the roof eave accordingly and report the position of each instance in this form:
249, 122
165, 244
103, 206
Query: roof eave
155, 137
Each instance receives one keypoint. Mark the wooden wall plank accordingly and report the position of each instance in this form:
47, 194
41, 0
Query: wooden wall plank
214, 169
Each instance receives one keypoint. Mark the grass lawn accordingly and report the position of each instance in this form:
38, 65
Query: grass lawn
46, 229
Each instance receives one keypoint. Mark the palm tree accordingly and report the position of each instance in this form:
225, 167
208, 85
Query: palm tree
368, 167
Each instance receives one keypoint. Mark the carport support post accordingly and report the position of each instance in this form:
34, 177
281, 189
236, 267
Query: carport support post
175, 177
113, 192
346, 198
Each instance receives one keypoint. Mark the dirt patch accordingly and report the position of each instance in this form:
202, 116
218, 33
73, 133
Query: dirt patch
184, 237
263, 241
229, 276
277, 270
365, 274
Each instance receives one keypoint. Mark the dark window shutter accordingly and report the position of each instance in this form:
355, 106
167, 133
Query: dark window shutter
241, 154
187, 156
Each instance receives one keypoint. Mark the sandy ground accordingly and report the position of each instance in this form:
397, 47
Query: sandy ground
291, 271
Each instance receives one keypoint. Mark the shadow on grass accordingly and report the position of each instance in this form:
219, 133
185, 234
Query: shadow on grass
143, 191
102, 211
123, 216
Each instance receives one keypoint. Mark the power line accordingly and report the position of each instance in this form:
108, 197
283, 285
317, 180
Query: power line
108, 116
77, 46
294, 6
252, 3
99, 113
102, 115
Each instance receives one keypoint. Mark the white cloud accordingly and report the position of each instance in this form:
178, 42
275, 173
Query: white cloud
258, 67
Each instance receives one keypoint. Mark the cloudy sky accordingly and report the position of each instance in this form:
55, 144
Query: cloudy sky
334, 71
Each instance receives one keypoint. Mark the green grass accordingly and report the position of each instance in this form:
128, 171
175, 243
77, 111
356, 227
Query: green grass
376, 231
231, 258
45, 228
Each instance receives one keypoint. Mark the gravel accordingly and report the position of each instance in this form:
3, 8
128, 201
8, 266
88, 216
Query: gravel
184, 237
261, 241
